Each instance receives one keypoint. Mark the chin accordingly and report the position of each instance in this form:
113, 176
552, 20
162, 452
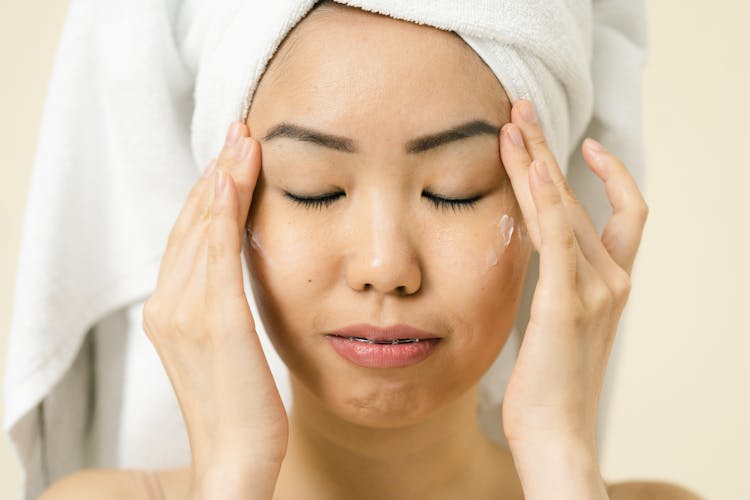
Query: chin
382, 398
380, 402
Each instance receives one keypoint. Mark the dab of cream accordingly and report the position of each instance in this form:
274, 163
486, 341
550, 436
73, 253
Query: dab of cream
504, 235
507, 225
255, 243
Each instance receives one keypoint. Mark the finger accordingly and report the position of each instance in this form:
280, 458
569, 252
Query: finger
191, 211
586, 235
557, 250
516, 161
194, 204
188, 232
524, 115
240, 158
224, 280
588, 238
190, 222
622, 235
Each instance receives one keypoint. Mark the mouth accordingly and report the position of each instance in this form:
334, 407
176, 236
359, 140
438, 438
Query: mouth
387, 342
369, 346
397, 334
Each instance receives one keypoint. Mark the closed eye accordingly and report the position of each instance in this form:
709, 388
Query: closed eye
322, 201
316, 202
453, 204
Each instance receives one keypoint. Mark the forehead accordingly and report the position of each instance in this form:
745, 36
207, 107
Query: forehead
346, 62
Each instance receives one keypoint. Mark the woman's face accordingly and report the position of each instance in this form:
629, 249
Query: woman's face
383, 249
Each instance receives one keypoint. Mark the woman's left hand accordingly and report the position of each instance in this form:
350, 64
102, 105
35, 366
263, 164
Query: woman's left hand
584, 283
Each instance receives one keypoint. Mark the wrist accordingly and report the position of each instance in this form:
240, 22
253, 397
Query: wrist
230, 481
558, 467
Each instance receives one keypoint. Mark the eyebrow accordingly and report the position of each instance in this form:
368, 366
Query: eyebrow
415, 146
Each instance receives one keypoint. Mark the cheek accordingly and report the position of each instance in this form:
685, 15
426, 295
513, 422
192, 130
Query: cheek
291, 272
481, 258
286, 259
287, 253
475, 249
482, 271
282, 253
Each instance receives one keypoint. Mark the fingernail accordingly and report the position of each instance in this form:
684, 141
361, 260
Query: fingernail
244, 148
233, 134
527, 111
219, 181
515, 135
596, 150
542, 171
209, 169
595, 145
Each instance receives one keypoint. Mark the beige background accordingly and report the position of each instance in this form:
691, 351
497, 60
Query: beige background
681, 400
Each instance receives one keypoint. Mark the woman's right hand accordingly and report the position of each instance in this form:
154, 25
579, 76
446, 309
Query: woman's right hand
201, 325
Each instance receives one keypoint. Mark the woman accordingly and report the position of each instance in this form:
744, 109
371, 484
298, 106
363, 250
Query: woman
387, 250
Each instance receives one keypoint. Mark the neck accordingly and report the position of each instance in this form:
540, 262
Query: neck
329, 457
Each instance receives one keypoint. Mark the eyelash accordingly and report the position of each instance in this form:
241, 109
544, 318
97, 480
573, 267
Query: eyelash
317, 202
320, 202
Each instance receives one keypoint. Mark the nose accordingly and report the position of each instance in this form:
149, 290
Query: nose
382, 256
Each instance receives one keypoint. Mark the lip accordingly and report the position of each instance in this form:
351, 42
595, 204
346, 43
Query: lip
375, 333
370, 355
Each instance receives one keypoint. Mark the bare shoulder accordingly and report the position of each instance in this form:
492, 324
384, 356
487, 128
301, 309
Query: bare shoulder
95, 484
116, 484
649, 490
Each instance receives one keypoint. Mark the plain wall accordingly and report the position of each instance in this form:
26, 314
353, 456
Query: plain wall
681, 395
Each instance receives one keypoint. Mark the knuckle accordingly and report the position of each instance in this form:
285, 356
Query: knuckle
215, 251
568, 239
565, 239
569, 200
205, 212
622, 286
562, 185
226, 158
153, 312
566, 190
642, 209
537, 140
551, 209
216, 210
602, 297
577, 314
181, 322
150, 309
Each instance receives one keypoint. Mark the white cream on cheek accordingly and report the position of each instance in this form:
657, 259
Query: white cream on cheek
255, 243
503, 229
507, 225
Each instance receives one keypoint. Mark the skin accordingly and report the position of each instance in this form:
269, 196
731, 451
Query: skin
388, 254
384, 254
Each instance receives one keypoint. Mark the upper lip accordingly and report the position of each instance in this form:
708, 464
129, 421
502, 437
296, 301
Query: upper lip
372, 332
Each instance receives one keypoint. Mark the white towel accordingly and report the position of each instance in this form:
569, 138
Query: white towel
140, 96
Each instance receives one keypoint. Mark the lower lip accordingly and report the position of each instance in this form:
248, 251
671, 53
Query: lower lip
383, 355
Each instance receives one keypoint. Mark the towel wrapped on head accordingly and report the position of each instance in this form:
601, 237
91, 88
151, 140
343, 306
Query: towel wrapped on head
539, 50
139, 101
